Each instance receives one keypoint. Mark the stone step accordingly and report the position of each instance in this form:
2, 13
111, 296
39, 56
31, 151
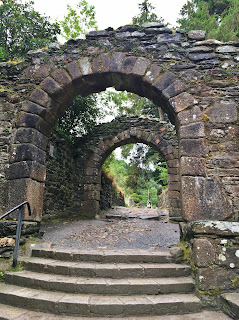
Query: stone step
104, 256
98, 305
132, 286
230, 304
13, 313
106, 270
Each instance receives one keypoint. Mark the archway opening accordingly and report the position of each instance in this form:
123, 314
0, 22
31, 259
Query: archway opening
75, 188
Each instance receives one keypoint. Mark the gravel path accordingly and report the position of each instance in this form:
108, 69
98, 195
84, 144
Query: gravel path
111, 233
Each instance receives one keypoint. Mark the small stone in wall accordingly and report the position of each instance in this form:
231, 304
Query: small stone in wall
197, 35
7, 242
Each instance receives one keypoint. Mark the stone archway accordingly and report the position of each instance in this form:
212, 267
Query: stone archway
185, 83
106, 137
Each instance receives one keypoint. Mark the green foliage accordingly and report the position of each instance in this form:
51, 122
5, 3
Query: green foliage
78, 21
3, 54
2, 272
219, 18
23, 29
139, 175
146, 14
80, 118
136, 197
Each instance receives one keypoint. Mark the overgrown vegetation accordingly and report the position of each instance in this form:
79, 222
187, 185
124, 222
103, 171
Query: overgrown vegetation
140, 171
23, 29
219, 18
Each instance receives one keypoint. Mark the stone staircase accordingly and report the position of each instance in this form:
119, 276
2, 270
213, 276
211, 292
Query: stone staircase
101, 284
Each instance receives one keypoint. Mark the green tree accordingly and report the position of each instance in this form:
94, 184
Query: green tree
80, 118
85, 111
219, 18
23, 29
78, 21
146, 14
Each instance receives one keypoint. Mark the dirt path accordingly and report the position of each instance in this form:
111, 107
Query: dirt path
131, 228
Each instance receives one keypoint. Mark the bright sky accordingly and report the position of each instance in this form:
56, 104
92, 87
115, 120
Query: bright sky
110, 13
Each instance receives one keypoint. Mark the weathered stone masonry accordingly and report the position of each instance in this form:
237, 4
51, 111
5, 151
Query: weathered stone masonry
195, 81
97, 146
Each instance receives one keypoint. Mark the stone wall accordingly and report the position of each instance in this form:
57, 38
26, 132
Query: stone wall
110, 195
62, 181
68, 166
195, 81
104, 138
214, 258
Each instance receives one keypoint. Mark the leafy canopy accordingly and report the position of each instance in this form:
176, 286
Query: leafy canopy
23, 29
78, 21
219, 18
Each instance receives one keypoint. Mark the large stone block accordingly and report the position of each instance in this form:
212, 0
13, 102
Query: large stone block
174, 89
30, 120
223, 112
193, 131
204, 199
63, 78
197, 35
30, 135
190, 166
44, 113
152, 74
21, 190
105, 62
42, 98
56, 91
216, 228
141, 66
26, 169
74, 71
85, 66
89, 208
189, 116
182, 102
164, 81
117, 61
193, 148
25, 152
215, 279
203, 252
128, 64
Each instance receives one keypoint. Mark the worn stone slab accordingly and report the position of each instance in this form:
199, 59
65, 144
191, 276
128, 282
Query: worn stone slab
30, 135
230, 304
194, 130
221, 228
30, 120
182, 102
26, 169
164, 81
13, 313
197, 35
191, 166
193, 148
199, 196
223, 112
117, 61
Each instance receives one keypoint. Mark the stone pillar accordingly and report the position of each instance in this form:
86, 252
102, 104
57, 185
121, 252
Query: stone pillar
214, 257
26, 189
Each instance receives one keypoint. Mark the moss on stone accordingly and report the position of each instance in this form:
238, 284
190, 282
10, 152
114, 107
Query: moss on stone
186, 251
235, 282
211, 292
